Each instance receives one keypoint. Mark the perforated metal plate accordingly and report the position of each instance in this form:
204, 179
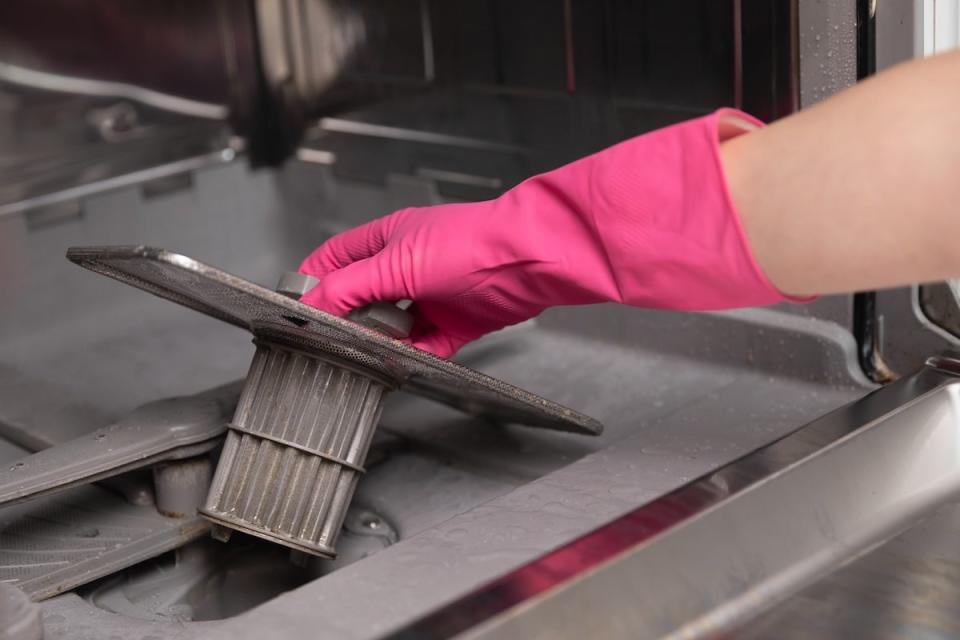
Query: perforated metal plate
259, 310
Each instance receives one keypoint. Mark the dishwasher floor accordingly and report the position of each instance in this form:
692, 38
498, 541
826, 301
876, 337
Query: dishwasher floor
680, 395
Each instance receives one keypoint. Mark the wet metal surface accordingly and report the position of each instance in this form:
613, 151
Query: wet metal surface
908, 588
719, 550
828, 48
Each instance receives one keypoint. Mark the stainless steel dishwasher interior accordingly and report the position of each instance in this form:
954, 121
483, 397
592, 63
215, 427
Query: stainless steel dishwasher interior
681, 394
713, 554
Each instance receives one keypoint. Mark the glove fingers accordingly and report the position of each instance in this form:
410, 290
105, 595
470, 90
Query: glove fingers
439, 344
365, 281
356, 285
346, 248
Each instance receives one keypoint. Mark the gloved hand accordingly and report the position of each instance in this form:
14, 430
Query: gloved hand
648, 222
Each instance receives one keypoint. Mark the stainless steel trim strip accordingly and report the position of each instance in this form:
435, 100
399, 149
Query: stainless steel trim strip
568, 589
178, 167
85, 86
948, 362
339, 125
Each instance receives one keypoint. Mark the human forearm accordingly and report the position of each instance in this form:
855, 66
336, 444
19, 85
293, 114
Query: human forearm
646, 222
861, 191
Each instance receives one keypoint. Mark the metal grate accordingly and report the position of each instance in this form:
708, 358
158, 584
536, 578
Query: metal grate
55, 544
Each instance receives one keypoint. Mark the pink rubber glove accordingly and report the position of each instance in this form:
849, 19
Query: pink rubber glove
648, 222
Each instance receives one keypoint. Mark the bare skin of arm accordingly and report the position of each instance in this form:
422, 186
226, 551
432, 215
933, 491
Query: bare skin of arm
861, 191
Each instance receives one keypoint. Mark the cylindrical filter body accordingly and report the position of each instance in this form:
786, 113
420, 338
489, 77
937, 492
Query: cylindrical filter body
296, 447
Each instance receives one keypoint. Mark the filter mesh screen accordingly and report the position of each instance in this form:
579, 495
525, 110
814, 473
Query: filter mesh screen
248, 305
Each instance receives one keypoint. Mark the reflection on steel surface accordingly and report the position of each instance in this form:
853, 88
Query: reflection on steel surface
723, 548
939, 305
178, 167
90, 87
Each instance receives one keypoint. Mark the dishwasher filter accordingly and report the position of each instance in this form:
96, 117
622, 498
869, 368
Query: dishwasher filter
298, 440
295, 448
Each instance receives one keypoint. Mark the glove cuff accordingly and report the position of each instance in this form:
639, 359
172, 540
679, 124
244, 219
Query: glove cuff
661, 206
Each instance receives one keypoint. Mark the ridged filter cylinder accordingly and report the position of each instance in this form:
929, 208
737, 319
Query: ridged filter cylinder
296, 447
